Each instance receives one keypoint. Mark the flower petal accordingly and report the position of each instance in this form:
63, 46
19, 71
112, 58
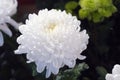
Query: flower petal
1, 39
116, 69
117, 77
48, 72
12, 22
40, 66
109, 77
70, 62
54, 69
81, 57
5, 29
21, 49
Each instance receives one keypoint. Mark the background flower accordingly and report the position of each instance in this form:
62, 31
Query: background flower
7, 9
93, 10
115, 73
52, 39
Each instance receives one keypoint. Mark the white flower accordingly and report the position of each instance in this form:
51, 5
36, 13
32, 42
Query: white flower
115, 73
7, 9
52, 39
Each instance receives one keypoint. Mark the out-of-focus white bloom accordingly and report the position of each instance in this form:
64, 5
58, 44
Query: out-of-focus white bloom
52, 39
7, 9
115, 73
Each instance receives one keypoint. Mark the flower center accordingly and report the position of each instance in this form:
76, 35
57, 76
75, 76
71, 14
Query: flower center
50, 28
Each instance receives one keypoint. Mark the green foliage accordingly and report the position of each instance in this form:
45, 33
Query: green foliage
68, 74
93, 10
34, 72
96, 9
70, 6
83, 13
102, 72
72, 74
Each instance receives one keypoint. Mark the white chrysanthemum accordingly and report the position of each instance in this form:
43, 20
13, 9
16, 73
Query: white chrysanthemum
115, 73
7, 9
52, 39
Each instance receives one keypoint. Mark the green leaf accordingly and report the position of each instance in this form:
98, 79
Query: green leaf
88, 4
105, 12
97, 17
34, 72
72, 74
71, 5
101, 71
113, 9
105, 3
69, 11
83, 13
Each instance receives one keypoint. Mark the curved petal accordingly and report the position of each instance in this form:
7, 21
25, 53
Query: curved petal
55, 70
109, 77
48, 72
13, 8
5, 29
117, 77
12, 22
70, 62
116, 69
20, 49
81, 57
40, 66
1, 39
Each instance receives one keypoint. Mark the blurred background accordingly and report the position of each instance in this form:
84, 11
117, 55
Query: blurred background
103, 50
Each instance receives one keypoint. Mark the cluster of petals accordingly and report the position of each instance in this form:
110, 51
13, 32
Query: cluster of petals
7, 9
115, 73
52, 39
